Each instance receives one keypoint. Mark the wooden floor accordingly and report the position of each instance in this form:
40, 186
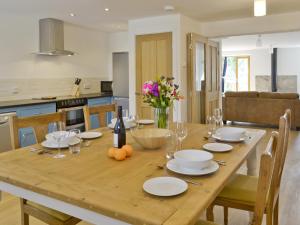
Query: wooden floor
289, 202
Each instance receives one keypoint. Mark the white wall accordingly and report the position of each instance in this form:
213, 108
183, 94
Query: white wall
20, 38
160, 24
260, 62
117, 42
289, 63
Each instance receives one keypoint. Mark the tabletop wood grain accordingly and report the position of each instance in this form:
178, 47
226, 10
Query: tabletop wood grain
114, 188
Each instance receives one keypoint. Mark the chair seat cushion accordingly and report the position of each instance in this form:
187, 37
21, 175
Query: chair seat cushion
202, 222
58, 215
241, 188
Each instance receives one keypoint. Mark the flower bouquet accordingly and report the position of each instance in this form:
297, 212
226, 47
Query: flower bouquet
160, 94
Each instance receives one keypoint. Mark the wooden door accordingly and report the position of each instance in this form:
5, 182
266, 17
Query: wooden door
212, 78
153, 59
203, 77
196, 77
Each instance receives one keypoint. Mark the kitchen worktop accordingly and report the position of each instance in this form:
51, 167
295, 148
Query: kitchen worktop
24, 102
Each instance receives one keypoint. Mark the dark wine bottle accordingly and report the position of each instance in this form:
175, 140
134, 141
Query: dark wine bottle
119, 130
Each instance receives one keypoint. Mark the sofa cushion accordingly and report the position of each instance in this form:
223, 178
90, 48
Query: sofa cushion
245, 94
278, 95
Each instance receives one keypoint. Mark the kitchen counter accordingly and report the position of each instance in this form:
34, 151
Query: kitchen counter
24, 102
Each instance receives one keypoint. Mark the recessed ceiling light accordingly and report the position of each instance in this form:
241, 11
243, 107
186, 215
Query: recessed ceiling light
106, 9
72, 14
169, 8
260, 7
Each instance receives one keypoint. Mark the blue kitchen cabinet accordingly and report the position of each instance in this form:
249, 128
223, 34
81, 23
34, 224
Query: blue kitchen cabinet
26, 135
99, 101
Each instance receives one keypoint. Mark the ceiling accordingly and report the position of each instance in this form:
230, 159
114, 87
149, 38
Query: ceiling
90, 13
248, 42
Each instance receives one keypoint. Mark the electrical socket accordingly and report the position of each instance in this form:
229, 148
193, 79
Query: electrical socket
87, 86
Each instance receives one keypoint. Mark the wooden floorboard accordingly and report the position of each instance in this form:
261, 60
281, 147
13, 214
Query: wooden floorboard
289, 202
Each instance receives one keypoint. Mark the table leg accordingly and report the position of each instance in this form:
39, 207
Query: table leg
252, 163
252, 171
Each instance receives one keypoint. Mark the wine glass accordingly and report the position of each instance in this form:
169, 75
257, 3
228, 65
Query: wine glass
219, 117
58, 136
134, 121
181, 132
211, 124
74, 145
171, 144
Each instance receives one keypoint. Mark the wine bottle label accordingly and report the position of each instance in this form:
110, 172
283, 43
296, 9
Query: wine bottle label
116, 140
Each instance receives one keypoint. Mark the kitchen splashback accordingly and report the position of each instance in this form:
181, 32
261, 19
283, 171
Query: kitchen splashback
14, 89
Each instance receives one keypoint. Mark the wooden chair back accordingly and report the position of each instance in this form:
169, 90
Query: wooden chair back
267, 163
39, 124
101, 111
284, 131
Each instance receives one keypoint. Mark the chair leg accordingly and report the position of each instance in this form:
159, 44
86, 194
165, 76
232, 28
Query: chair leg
24, 216
210, 213
225, 215
276, 212
269, 218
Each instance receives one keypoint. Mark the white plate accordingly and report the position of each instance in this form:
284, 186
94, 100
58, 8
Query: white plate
165, 186
175, 167
217, 147
90, 135
229, 140
112, 126
146, 122
52, 144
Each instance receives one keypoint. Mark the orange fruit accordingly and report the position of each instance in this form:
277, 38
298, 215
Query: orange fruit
120, 154
128, 149
111, 152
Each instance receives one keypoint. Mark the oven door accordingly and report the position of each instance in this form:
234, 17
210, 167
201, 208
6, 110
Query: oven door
74, 118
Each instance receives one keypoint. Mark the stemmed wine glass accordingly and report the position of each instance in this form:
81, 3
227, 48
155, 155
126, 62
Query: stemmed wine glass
211, 123
181, 132
58, 136
218, 117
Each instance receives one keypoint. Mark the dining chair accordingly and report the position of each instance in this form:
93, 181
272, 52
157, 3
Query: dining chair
243, 191
39, 123
101, 111
40, 126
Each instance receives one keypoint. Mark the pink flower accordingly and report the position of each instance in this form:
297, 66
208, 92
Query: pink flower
147, 88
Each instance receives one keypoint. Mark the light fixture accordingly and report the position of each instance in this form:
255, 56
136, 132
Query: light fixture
260, 7
72, 14
259, 42
106, 9
169, 8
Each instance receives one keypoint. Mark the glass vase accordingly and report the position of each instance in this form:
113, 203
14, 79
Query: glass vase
161, 117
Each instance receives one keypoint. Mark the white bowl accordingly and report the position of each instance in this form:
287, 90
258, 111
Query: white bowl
68, 136
194, 159
152, 138
230, 133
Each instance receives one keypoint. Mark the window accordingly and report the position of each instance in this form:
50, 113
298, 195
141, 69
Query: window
237, 77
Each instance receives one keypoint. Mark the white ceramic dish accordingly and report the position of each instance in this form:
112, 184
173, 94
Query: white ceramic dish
90, 135
217, 147
165, 186
146, 122
218, 138
54, 145
230, 133
175, 167
194, 159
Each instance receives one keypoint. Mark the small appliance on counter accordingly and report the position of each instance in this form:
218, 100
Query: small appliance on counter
75, 90
106, 87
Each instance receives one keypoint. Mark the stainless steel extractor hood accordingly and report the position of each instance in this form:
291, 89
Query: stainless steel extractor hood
52, 38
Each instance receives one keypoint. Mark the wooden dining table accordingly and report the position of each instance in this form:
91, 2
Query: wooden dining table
100, 190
